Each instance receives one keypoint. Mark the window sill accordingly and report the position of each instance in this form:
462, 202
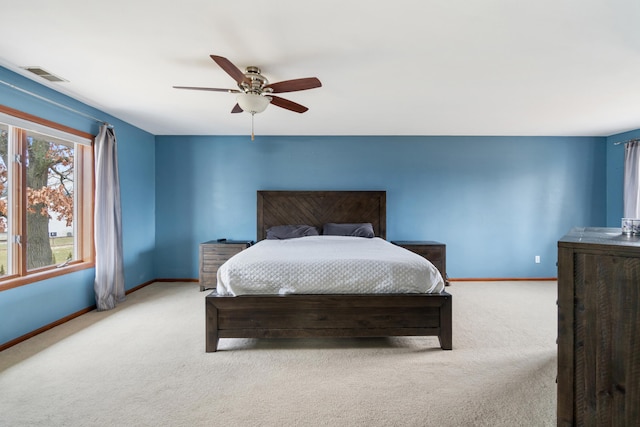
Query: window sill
37, 276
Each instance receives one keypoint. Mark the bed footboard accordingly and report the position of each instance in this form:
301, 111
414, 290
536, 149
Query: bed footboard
306, 316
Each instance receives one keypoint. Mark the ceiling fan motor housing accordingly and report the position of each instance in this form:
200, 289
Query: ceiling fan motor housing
257, 81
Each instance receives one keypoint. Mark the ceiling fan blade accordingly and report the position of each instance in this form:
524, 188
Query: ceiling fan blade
287, 105
295, 85
236, 109
211, 89
230, 69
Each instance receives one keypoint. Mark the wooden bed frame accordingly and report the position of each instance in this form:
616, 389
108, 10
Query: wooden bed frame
334, 315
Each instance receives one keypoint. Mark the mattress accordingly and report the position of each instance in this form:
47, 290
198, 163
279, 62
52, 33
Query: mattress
327, 265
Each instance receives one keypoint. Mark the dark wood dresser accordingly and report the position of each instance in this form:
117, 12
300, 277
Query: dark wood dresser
435, 252
212, 255
598, 328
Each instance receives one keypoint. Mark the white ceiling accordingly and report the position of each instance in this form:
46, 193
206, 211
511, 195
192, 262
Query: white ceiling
403, 67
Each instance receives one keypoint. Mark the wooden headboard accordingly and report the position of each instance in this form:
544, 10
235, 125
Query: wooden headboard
320, 207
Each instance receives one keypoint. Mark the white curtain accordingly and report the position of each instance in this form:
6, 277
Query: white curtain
109, 282
632, 179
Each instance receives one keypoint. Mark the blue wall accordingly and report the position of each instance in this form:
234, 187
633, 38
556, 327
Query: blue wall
497, 202
30, 307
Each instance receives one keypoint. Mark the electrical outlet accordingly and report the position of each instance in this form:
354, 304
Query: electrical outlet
537, 259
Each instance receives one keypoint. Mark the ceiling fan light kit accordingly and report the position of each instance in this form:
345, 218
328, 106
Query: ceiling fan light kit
255, 90
252, 102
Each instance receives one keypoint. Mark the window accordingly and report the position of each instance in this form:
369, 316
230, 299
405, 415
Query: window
46, 209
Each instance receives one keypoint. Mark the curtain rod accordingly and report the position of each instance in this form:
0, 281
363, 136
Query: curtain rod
35, 95
624, 142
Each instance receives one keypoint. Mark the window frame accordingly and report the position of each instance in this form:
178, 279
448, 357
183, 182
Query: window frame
84, 157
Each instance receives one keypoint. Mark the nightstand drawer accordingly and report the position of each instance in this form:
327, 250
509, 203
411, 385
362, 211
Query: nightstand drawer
211, 267
433, 254
219, 252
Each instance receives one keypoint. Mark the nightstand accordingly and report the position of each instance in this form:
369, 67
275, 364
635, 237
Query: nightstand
213, 254
435, 252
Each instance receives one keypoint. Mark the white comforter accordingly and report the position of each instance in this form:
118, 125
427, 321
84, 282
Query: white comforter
327, 265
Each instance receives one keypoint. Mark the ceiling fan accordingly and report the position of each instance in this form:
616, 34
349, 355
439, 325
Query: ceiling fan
255, 92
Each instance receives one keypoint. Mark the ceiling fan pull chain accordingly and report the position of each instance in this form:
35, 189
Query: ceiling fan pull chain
252, 136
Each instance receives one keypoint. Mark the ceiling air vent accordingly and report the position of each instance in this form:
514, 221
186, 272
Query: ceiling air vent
39, 71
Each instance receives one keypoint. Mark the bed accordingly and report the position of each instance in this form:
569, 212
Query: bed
295, 315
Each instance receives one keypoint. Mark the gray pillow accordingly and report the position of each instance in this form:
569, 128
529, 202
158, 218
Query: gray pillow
280, 232
364, 229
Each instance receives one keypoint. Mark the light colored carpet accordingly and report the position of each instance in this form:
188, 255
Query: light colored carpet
144, 364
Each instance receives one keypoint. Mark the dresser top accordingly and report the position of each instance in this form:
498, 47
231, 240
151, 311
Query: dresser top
600, 236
